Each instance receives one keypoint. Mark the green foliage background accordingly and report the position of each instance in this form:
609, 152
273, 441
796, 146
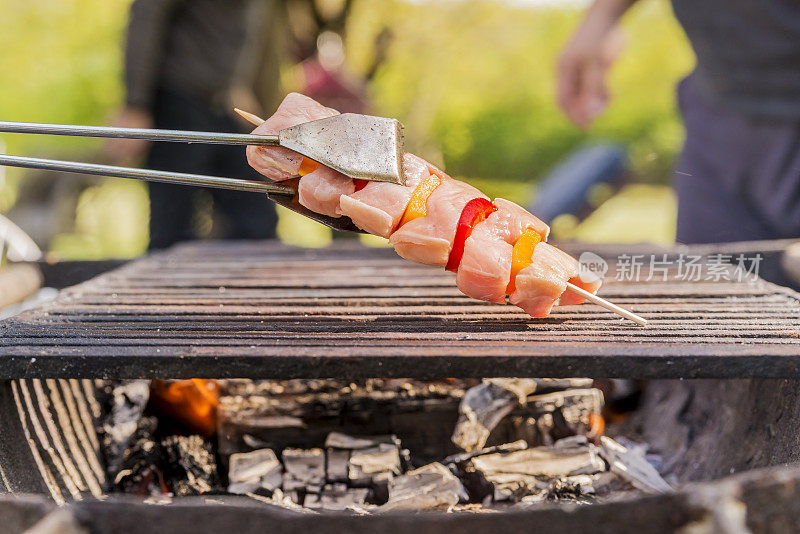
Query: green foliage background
61, 63
476, 82
472, 80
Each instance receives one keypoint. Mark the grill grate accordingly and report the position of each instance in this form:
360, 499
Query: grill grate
262, 310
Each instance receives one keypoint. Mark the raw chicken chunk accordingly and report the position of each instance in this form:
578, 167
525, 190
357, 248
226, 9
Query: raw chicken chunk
541, 284
379, 206
280, 163
486, 265
428, 239
485, 268
321, 190
585, 280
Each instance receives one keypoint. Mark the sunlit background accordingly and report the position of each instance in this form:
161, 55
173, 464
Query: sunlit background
473, 82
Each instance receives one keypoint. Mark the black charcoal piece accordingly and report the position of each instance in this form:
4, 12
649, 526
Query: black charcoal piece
125, 401
565, 413
139, 468
518, 445
252, 465
304, 470
517, 474
191, 468
181, 465
515, 487
631, 466
561, 407
484, 406
541, 461
336, 497
432, 487
338, 465
251, 471
375, 462
574, 488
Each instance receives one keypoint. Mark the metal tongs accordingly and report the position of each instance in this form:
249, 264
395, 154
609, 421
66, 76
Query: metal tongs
373, 151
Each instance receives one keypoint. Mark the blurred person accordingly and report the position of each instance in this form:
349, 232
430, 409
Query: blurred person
325, 79
187, 64
318, 29
738, 176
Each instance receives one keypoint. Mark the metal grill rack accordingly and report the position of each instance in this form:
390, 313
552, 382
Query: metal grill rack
265, 310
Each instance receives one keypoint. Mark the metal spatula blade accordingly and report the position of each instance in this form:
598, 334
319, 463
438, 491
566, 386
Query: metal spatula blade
359, 146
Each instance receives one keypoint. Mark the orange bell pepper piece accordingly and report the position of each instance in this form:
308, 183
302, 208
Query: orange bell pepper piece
418, 205
522, 255
307, 166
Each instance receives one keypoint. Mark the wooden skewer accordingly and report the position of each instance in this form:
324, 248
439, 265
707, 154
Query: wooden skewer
249, 117
591, 297
610, 306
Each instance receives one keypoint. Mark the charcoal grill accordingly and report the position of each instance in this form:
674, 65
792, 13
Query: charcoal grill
266, 310
270, 311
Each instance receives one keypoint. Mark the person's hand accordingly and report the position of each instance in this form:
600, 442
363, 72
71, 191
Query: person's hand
582, 68
129, 150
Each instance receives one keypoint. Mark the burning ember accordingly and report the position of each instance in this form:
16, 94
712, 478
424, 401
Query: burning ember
374, 445
191, 402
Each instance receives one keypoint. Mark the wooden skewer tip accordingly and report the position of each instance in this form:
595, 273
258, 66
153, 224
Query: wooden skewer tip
610, 306
249, 117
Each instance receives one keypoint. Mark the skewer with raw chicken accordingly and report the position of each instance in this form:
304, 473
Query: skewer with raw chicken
496, 248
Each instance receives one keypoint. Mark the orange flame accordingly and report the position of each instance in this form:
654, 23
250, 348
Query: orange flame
193, 402
597, 425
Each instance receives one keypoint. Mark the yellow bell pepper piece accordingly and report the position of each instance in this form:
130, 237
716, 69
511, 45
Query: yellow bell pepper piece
522, 255
418, 205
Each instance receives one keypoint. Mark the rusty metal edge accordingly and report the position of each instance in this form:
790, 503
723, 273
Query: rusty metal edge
611, 365
762, 500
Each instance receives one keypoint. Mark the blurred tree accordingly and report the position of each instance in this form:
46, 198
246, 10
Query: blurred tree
63, 73
473, 81
61, 62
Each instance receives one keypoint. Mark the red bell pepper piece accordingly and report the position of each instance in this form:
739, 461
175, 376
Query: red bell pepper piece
475, 211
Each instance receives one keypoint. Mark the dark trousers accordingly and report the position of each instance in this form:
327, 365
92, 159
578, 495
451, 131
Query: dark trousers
172, 207
738, 178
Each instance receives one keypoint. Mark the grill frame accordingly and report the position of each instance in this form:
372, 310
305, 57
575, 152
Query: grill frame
353, 311
768, 495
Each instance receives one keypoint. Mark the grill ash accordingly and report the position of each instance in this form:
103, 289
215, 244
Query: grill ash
370, 446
